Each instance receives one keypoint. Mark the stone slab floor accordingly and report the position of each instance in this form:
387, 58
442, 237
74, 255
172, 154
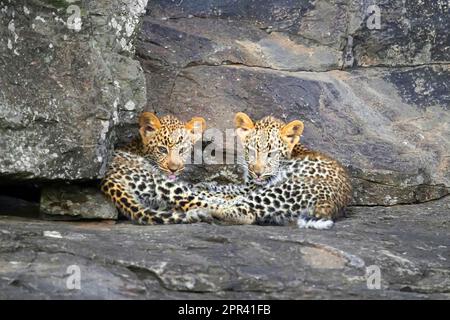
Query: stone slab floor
410, 244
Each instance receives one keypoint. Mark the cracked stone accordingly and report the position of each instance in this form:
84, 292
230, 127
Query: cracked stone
76, 202
409, 244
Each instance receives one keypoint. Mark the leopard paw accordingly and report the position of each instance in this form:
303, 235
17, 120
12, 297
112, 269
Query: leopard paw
199, 215
235, 215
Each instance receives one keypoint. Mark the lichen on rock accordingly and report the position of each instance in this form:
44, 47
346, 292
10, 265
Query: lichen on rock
66, 91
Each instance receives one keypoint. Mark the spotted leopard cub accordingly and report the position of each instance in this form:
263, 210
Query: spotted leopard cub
284, 181
142, 178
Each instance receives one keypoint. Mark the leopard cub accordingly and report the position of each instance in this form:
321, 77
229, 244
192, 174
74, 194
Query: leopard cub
284, 180
142, 178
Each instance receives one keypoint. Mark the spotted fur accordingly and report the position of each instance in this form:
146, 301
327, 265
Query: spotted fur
285, 181
141, 180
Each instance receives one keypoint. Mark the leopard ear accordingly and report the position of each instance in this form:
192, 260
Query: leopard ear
148, 123
291, 133
196, 126
243, 125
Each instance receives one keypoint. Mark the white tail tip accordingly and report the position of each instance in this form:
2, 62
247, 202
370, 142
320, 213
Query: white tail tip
321, 224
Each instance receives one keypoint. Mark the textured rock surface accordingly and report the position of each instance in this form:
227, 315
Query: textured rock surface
76, 202
387, 118
66, 87
408, 243
299, 35
412, 33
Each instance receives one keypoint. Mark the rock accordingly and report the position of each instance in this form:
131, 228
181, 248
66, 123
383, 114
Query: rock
408, 243
372, 193
411, 33
285, 58
277, 34
298, 35
67, 85
77, 202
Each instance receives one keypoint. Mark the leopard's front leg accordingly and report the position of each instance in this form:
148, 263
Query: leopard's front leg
183, 197
129, 205
186, 199
234, 212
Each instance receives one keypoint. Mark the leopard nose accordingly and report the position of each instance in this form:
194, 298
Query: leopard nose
257, 169
174, 166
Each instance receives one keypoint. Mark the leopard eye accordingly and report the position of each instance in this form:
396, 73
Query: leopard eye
271, 154
182, 150
162, 149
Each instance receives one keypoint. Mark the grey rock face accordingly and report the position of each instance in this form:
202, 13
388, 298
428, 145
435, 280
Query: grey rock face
67, 85
76, 202
203, 261
302, 35
411, 33
386, 120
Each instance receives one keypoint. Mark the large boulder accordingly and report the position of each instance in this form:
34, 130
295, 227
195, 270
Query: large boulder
68, 81
75, 202
319, 61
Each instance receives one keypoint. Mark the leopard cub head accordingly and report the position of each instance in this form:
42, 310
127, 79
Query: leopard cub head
167, 142
266, 144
